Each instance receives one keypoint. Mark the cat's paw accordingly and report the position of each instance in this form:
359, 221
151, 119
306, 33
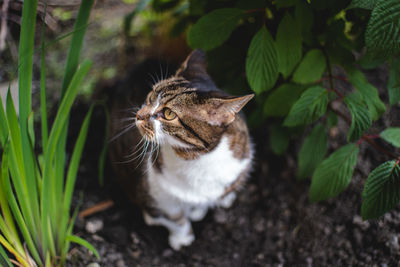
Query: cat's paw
177, 241
148, 219
197, 213
227, 201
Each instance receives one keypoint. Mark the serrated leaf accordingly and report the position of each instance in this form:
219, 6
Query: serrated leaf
334, 174
311, 67
382, 190
392, 136
214, 28
278, 139
366, 4
394, 82
368, 92
312, 151
383, 30
280, 101
288, 45
262, 62
360, 117
311, 105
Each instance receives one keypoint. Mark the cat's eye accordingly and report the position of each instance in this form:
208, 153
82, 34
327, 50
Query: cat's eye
169, 114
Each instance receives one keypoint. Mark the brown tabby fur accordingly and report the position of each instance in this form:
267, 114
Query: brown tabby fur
201, 122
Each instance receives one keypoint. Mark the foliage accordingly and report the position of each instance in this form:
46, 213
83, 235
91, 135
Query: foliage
35, 199
289, 51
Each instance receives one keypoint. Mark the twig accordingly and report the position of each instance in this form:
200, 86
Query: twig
3, 29
104, 205
340, 114
379, 148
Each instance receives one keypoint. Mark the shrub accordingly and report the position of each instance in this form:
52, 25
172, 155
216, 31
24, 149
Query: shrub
290, 51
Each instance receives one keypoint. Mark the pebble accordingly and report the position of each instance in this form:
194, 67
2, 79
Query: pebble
220, 216
93, 226
121, 263
167, 253
93, 264
357, 220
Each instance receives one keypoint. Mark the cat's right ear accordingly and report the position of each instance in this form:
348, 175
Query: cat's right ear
194, 68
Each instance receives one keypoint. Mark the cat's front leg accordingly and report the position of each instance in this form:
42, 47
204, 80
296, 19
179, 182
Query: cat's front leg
179, 227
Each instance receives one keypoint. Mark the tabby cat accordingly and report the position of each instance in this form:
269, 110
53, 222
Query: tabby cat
185, 150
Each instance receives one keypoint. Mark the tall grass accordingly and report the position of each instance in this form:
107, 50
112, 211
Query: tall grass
35, 191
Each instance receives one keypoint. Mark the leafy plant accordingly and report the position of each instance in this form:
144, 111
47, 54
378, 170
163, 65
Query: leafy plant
35, 221
291, 52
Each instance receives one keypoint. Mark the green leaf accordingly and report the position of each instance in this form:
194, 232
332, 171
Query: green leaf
392, 136
280, 101
214, 28
394, 82
334, 174
312, 151
311, 105
262, 62
366, 4
278, 139
311, 67
382, 190
288, 45
82, 242
383, 31
4, 260
360, 117
369, 93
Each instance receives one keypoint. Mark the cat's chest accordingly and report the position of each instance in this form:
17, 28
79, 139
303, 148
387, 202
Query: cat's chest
199, 181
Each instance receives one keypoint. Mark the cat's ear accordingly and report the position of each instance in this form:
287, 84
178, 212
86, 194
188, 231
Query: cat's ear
222, 111
194, 67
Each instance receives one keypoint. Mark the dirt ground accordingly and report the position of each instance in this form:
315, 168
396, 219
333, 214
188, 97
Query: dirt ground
271, 224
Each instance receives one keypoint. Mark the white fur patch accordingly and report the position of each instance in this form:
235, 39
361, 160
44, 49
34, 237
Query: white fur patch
199, 182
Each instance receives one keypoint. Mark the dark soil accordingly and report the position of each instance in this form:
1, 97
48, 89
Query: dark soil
272, 222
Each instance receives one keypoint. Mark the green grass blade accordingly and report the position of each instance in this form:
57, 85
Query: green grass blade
73, 170
3, 123
56, 131
9, 194
76, 43
82, 242
4, 260
19, 174
26, 46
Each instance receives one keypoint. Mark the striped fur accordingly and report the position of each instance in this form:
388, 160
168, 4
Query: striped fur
197, 157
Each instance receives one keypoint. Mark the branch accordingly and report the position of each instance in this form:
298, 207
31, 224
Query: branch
379, 148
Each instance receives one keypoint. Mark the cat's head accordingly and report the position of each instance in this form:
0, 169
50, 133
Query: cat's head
187, 110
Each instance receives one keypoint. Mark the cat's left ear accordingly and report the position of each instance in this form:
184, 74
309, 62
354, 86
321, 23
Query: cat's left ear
194, 67
222, 111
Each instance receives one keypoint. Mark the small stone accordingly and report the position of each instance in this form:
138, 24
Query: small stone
357, 220
220, 216
93, 264
167, 253
93, 226
260, 226
135, 239
120, 263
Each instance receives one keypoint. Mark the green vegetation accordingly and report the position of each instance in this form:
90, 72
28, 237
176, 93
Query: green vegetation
291, 52
35, 193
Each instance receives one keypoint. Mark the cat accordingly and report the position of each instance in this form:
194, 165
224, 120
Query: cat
199, 151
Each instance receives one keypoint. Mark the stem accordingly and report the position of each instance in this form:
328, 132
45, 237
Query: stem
340, 114
379, 148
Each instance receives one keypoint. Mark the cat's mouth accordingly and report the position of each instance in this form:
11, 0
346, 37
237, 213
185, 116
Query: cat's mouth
145, 130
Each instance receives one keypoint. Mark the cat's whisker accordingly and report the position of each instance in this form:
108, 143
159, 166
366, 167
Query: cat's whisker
152, 77
125, 130
135, 150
